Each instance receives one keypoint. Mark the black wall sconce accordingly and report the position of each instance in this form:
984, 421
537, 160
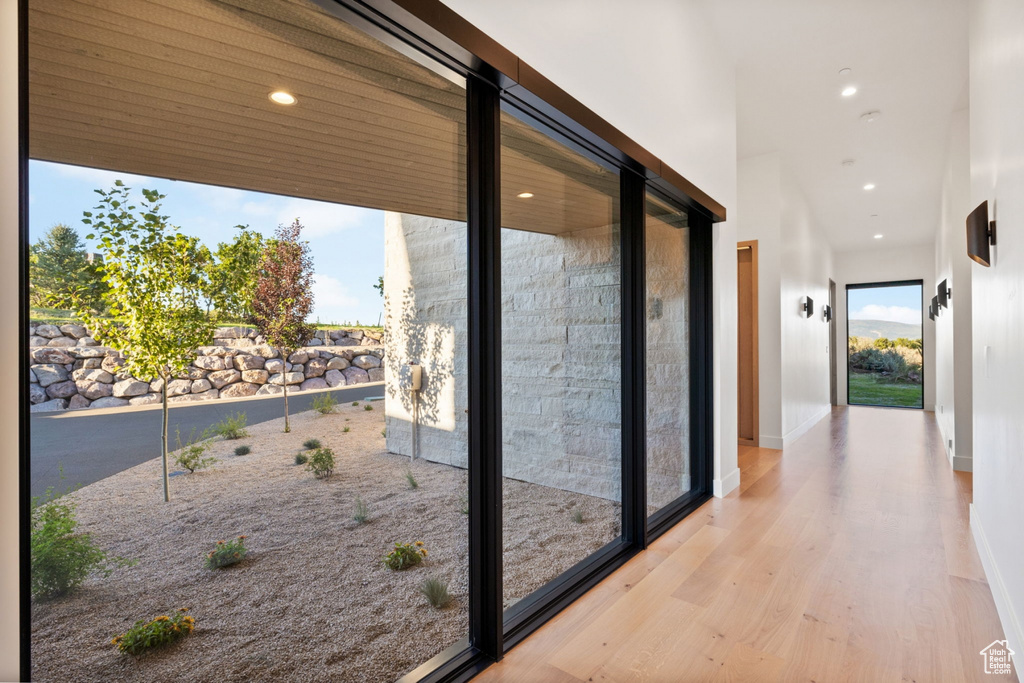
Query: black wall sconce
944, 294
934, 308
826, 313
931, 313
808, 307
981, 234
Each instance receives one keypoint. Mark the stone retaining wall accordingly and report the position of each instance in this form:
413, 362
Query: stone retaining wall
70, 370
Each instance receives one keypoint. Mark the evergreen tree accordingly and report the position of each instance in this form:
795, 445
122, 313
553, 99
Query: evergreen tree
60, 273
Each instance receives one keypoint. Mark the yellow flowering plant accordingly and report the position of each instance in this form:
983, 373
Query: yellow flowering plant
226, 553
162, 630
405, 555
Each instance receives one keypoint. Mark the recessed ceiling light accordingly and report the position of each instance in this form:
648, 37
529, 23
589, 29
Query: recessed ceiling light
282, 97
849, 90
524, 195
869, 186
878, 237
845, 71
871, 116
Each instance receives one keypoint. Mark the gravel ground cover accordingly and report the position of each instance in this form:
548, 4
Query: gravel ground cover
312, 600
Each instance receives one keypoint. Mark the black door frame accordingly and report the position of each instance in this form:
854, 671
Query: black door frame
877, 285
400, 24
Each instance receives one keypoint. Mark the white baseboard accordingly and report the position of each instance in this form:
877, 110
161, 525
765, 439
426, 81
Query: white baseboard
1007, 616
788, 439
724, 486
962, 464
770, 442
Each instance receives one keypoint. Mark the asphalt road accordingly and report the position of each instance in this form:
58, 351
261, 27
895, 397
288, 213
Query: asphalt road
92, 445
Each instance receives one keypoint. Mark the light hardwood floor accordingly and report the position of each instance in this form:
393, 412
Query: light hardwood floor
847, 558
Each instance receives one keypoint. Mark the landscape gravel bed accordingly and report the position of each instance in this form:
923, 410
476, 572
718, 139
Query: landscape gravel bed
312, 600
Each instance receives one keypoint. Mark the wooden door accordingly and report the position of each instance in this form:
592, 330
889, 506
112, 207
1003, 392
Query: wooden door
747, 389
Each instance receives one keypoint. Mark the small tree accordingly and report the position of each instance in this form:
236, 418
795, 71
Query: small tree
156, 290
60, 273
283, 298
234, 272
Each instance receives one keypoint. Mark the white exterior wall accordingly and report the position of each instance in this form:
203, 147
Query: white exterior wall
952, 353
904, 263
997, 175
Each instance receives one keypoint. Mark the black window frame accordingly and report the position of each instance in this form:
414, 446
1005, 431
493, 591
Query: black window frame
492, 631
877, 285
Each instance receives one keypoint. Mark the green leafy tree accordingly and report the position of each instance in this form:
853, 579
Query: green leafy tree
156, 289
283, 299
60, 273
883, 343
380, 285
233, 271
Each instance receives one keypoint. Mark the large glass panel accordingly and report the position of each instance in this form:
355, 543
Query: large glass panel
669, 465
256, 114
561, 357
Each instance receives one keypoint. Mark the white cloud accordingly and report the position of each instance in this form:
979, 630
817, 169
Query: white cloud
320, 219
896, 314
99, 177
332, 302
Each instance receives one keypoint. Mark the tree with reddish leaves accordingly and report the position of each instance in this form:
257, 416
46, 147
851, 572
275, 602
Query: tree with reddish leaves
283, 298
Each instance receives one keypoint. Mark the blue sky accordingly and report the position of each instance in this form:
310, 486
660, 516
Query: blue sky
895, 304
347, 242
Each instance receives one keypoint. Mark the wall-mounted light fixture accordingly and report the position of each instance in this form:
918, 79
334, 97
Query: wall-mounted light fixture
935, 306
826, 313
931, 312
981, 234
944, 294
808, 307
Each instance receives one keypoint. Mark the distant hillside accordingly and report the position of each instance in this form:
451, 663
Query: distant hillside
873, 329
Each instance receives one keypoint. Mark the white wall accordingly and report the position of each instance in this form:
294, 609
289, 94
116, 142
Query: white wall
997, 175
879, 265
657, 72
794, 262
952, 353
9, 341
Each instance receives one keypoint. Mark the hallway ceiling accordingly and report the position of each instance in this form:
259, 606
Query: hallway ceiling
908, 61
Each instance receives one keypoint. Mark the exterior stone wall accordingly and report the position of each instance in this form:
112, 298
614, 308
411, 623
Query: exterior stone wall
560, 350
70, 370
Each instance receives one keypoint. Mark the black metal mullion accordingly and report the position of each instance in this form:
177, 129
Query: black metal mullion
484, 298
702, 406
634, 363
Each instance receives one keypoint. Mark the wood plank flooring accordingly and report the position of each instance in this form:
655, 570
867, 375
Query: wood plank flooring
847, 558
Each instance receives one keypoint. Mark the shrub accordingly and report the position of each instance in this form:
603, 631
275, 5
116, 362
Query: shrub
163, 630
384, 433
882, 343
405, 555
190, 455
577, 516
61, 559
243, 450
346, 430
362, 513
413, 484
321, 463
226, 553
324, 404
310, 444
355, 403
436, 592
232, 426
367, 407
301, 458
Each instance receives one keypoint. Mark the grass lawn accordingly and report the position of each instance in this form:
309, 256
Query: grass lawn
875, 390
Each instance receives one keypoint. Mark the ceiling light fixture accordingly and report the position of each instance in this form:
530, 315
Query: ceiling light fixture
869, 186
871, 116
878, 237
524, 195
849, 90
282, 97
